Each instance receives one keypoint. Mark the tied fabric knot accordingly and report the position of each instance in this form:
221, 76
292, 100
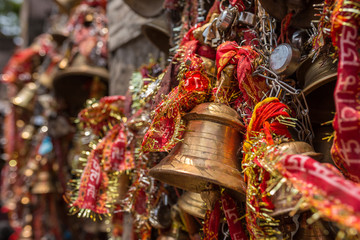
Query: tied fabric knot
262, 128
244, 58
167, 127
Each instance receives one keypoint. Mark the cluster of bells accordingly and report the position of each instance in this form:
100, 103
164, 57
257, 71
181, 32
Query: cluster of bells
70, 80
208, 153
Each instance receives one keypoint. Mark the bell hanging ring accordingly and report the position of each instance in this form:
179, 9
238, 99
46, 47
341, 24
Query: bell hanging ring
207, 153
193, 204
284, 198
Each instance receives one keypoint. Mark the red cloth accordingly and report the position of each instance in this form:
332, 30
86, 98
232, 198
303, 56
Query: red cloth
345, 35
324, 188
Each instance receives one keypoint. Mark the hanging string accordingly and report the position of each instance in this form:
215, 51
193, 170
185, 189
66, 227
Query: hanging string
284, 28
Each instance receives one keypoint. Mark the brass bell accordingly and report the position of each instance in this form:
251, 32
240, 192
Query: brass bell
192, 204
283, 199
158, 32
76, 83
146, 8
43, 184
304, 10
207, 153
25, 96
318, 81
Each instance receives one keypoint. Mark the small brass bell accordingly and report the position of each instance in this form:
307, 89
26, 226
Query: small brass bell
43, 184
25, 96
284, 200
158, 32
192, 204
303, 10
207, 153
146, 8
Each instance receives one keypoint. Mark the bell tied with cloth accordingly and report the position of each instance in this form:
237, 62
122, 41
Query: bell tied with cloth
207, 153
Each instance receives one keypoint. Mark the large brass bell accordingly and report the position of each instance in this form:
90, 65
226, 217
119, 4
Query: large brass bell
283, 199
146, 8
193, 204
318, 81
207, 153
77, 82
158, 32
43, 184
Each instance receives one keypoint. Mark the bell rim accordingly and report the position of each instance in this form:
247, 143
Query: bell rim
319, 82
151, 26
164, 169
189, 207
312, 75
140, 10
84, 71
